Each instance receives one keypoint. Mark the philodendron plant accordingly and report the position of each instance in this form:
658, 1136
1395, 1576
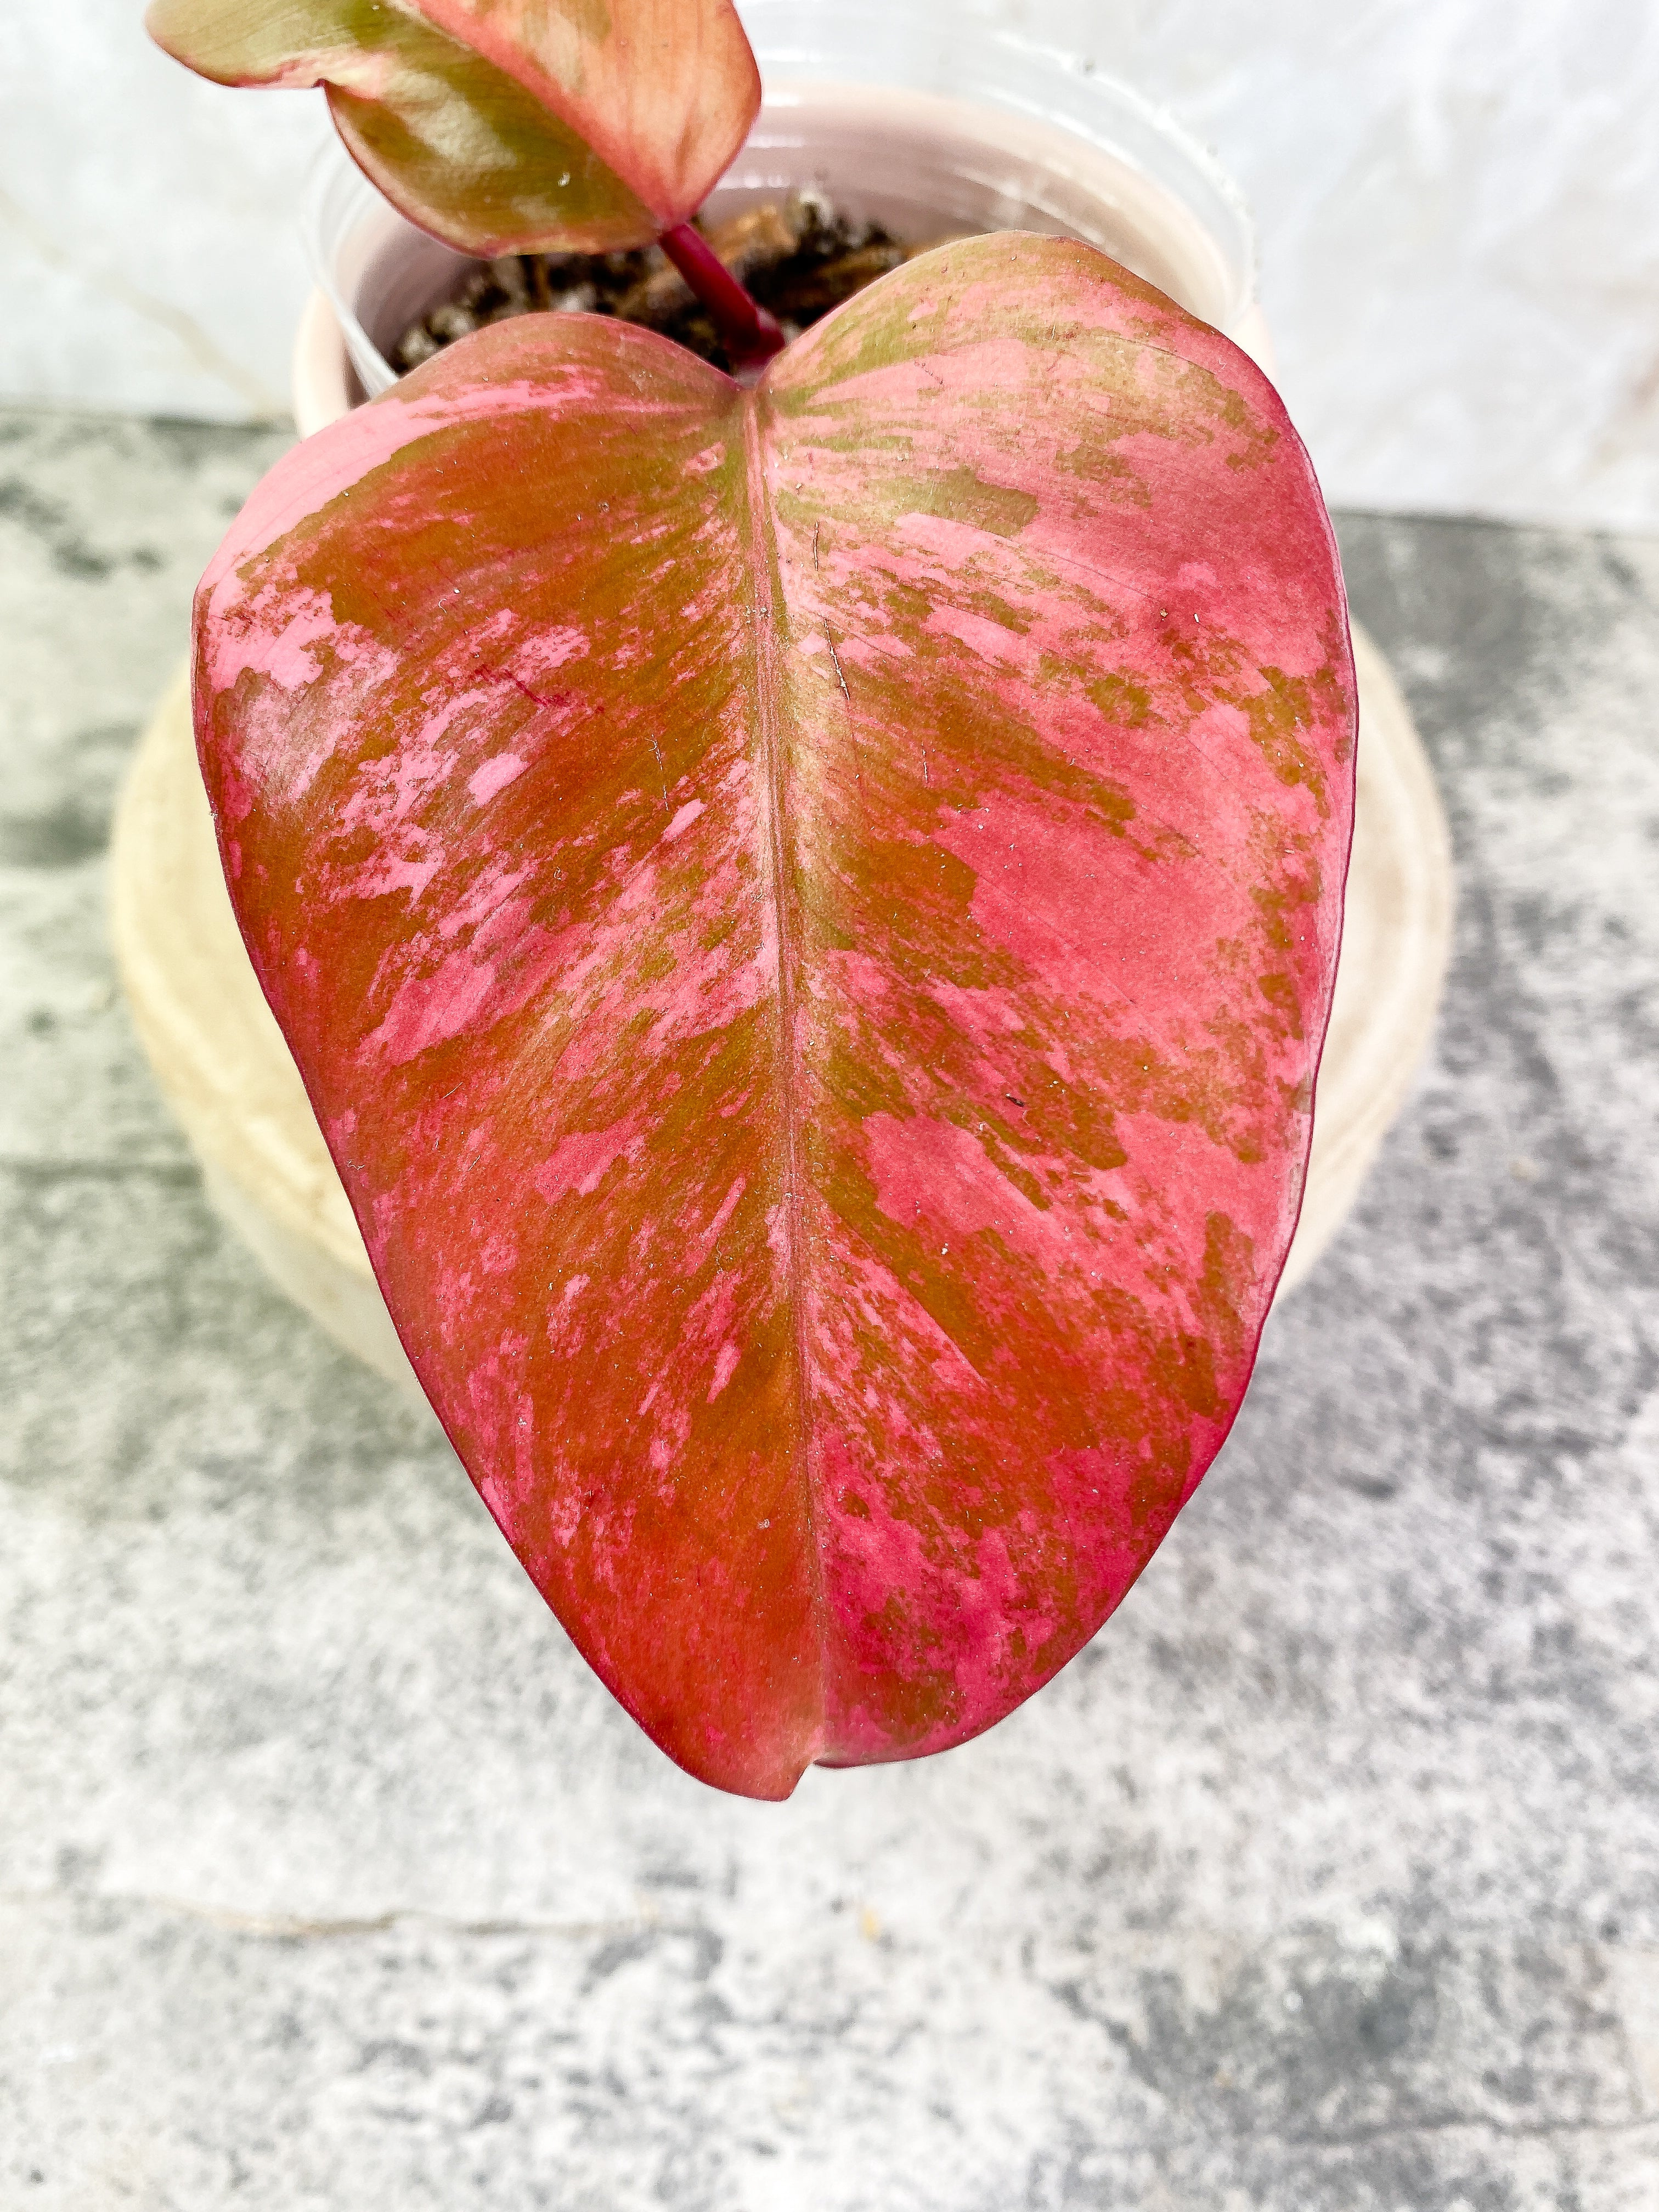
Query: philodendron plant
808, 913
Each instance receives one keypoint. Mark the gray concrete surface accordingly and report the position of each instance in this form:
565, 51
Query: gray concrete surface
1326, 1881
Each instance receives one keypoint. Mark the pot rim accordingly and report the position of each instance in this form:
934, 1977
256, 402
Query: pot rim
1107, 121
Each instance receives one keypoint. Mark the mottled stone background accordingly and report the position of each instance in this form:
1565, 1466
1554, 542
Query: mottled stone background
1457, 201
1326, 1881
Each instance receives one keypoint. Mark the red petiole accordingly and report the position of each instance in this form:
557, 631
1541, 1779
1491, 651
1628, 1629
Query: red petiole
751, 335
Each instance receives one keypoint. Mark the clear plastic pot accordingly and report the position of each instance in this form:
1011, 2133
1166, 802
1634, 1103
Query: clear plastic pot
868, 101
931, 136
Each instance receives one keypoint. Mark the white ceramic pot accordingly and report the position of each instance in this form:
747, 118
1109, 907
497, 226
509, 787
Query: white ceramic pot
922, 163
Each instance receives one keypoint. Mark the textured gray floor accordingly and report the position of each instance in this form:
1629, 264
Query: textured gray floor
1328, 1881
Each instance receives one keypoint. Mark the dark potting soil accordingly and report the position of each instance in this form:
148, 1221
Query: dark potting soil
800, 259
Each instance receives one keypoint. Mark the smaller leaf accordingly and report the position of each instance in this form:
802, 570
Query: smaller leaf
503, 125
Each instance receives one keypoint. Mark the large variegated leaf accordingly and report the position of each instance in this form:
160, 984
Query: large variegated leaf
808, 919
504, 125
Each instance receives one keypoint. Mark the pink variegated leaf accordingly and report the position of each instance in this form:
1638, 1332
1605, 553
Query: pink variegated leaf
504, 125
808, 919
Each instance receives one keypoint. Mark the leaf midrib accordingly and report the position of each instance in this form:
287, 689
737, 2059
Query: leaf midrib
769, 617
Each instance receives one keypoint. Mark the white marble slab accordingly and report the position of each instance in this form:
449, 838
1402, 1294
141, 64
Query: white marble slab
1456, 199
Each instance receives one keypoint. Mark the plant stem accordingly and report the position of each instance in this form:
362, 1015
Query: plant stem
751, 335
